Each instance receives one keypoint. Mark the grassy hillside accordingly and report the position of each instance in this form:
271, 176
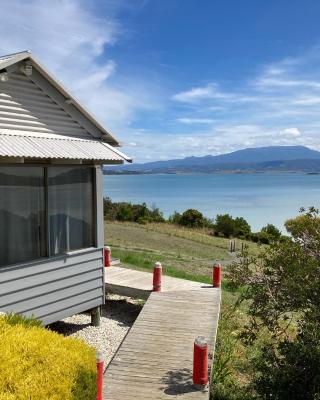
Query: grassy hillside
185, 253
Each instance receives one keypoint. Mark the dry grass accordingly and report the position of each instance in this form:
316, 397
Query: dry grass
142, 245
186, 253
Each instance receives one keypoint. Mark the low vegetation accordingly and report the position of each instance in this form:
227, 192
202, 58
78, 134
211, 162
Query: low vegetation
282, 288
38, 364
223, 225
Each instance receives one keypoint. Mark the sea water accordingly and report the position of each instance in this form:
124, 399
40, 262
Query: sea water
260, 198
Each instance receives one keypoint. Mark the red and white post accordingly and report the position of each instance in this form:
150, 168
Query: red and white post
157, 274
216, 276
200, 363
99, 375
107, 256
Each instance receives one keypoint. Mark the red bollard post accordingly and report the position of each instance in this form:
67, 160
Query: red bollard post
157, 273
99, 375
216, 276
200, 363
107, 256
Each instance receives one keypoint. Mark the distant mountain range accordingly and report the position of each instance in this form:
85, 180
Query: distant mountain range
260, 159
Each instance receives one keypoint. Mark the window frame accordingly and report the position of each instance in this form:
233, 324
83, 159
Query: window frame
45, 168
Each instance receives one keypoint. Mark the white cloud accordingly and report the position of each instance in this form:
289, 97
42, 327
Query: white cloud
71, 39
212, 92
196, 94
290, 132
59, 31
307, 100
269, 83
217, 108
220, 139
190, 121
261, 110
95, 78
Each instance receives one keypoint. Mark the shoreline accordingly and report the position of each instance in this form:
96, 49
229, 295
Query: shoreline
223, 172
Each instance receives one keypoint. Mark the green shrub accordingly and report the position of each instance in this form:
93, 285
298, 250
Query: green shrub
15, 319
192, 218
241, 228
125, 213
267, 235
260, 237
272, 232
281, 286
131, 212
175, 218
224, 225
37, 364
295, 366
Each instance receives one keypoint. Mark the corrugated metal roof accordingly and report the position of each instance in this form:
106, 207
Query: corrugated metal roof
27, 146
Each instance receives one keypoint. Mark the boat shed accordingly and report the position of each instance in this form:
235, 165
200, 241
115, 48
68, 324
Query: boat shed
51, 195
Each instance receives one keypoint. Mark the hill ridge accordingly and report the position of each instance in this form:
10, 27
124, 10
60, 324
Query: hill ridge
295, 158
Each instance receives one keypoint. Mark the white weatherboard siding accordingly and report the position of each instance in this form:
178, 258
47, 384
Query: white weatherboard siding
26, 108
16, 63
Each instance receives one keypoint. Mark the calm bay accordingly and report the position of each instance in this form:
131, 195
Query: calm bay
259, 198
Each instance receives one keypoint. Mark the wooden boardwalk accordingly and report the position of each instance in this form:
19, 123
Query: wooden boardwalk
155, 359
133, 283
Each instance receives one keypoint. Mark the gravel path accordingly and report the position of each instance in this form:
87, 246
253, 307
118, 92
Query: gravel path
118, 315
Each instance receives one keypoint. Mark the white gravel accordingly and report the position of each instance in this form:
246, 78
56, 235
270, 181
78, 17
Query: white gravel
118, 315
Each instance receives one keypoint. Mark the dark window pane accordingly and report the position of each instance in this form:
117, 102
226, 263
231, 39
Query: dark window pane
22, 214
70, 208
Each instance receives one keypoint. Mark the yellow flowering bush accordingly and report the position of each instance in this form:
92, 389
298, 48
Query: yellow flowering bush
37, 364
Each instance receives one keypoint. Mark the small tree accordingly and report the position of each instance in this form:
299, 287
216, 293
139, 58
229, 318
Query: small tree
224, 225
241, 227
192, 218
271, 231
175, 218
125, 213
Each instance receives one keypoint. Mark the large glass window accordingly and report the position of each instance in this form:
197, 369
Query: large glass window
44, 211
22, 214
70, 208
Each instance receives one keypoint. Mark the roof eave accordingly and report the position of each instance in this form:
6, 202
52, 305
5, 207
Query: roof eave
14, 58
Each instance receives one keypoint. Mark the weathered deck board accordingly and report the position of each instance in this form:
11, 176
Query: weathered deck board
133, 283
155, 359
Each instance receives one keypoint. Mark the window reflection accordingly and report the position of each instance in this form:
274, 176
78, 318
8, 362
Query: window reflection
22, 214
70, 208
26, 221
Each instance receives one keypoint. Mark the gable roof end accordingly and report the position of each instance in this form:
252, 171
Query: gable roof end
11, 59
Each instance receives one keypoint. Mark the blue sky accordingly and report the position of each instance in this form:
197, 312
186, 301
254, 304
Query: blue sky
173, 78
